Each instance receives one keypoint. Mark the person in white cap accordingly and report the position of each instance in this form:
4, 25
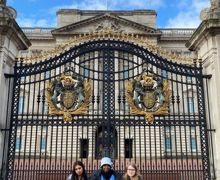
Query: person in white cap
106, 171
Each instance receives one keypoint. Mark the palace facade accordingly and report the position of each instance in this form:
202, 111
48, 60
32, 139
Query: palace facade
169, 130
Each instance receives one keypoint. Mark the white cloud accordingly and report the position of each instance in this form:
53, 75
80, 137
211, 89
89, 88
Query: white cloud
84, 5
112, 5
30, 22
135, 4
34, 21
189, 15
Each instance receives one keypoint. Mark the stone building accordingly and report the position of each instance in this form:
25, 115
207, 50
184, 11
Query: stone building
111, 49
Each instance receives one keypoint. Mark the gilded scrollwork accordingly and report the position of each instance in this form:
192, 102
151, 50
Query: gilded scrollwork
148, 96
68, 95
108, 33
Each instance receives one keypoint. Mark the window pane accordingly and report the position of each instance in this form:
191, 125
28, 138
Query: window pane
168, 144
125, 74
128, 148
190, 105
43, 143
84, 148
86, 71
21, 104
164, 74
18, 144
193, 144
189, 78
45, 107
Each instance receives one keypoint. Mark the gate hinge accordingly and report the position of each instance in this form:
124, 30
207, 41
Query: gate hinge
208, 76
9, 75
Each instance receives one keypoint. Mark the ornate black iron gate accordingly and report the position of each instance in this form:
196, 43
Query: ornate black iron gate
44, 146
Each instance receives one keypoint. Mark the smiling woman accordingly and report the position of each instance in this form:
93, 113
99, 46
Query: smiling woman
132, 173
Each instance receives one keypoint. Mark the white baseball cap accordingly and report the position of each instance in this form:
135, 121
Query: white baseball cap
107, 161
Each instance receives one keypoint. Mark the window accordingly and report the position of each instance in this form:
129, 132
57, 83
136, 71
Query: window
193, 143
190, 105
21, 104
18, 143
45, 107
189, 78
47, 75
84, 148
128, 148
127, 107
164, 74
22, 79
102, 133
86, 71
168, 143
43, 145
125, 72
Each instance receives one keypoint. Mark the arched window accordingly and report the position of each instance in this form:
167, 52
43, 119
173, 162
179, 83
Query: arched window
106, 142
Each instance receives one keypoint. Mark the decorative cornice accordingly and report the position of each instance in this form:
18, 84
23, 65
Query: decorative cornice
209, 26
9, 25
107, 34
146, 29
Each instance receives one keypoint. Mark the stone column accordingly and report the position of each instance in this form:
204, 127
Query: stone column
12, 39
206, 43
215, 4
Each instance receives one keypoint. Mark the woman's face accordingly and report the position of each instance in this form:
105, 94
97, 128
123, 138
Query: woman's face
131, 171
79, 170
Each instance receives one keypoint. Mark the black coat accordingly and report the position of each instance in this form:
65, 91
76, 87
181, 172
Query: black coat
97, 175
72, 177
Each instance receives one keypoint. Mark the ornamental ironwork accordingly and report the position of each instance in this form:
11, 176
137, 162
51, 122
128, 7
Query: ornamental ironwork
68, 95
148, 95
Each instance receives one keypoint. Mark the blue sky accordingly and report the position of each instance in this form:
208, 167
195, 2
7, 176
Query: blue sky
170, 13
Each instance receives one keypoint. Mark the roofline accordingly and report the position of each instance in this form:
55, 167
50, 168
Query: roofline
103, 16
138, 11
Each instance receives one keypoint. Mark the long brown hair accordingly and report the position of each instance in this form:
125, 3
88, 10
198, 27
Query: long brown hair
137, 175
79, 163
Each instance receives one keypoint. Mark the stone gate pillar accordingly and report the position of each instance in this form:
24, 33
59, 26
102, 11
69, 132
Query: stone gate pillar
12, 39
206, 43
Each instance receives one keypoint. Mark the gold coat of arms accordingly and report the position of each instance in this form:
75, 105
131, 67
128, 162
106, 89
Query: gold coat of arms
68, 95
148, 95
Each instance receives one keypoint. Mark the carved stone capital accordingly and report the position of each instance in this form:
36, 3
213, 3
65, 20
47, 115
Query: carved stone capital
215, 4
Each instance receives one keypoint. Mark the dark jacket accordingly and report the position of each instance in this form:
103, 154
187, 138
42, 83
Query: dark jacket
97, 175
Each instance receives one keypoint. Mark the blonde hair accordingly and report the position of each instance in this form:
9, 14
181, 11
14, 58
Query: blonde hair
137, 175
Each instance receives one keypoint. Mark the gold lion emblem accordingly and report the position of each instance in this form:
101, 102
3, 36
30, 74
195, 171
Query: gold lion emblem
148, 95
68, 95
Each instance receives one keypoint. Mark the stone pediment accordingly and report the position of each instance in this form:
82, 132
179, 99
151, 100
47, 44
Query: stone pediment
103, 22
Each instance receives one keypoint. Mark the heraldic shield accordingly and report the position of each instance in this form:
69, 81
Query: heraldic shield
148, 95
68, 95
149, 99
